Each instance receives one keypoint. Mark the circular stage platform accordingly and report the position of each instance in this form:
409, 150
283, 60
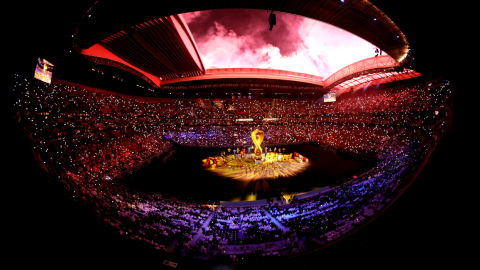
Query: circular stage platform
246, 167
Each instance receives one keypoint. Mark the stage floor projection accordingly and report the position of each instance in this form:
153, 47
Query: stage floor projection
185, 177
245, 167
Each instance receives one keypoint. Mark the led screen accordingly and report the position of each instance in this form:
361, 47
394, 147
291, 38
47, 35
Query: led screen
43, 70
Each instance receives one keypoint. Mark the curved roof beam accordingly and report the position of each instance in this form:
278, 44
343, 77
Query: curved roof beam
373, 79
369, 65
98, 51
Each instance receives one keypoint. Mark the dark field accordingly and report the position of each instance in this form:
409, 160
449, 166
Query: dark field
184, 177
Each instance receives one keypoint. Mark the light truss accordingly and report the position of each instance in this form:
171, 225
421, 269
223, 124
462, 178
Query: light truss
249, 73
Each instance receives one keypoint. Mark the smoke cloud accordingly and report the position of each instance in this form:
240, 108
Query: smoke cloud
240, 38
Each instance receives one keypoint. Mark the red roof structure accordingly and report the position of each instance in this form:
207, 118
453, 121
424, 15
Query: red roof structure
156, 44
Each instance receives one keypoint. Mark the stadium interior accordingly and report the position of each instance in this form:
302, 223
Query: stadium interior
134, 140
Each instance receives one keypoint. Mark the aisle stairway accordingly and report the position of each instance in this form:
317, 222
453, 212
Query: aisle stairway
209, 105
204, 226
274, 220
272, 108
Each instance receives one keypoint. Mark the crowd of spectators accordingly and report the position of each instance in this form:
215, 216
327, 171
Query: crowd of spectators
247, 224
332, 213
86, 139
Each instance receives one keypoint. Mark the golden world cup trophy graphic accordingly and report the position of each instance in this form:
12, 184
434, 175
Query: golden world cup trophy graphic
257, 142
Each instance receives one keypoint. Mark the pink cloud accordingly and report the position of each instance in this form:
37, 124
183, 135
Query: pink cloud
240, 38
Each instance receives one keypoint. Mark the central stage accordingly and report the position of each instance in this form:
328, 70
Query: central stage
245, 167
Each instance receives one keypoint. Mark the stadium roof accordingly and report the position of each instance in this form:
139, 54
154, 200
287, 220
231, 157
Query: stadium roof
40, 30
356, 16
159, 44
